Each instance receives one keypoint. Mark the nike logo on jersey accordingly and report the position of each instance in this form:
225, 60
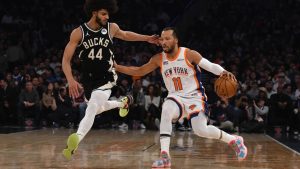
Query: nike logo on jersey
192, 107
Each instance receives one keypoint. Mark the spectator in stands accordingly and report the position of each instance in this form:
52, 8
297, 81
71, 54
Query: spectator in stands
280, 108
17, 76
137, 109
48, 105
220, 113
241, 112
66, 117
29, 104
262, 94
39, 86
297, 86
269, 88
287, 89
8, 102
125, 86
253, 92
280, 80
152, 107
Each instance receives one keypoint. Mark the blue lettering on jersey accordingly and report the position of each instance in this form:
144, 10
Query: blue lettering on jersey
176, 71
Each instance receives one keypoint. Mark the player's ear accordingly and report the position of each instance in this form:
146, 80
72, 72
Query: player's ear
94, 13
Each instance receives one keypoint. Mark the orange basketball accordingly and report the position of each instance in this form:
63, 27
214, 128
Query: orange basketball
225, 87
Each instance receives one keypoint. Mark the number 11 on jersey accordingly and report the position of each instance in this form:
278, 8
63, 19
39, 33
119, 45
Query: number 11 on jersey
177, 83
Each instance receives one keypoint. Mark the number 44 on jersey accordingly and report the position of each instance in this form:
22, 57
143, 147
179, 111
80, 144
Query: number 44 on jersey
98, 54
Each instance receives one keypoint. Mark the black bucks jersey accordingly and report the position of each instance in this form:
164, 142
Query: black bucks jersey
96, 57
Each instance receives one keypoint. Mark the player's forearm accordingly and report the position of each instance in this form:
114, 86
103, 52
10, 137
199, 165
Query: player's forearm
129, 70
66, 66
211, 67
131, 36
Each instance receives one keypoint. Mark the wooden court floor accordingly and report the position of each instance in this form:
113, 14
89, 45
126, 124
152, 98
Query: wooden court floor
135, 149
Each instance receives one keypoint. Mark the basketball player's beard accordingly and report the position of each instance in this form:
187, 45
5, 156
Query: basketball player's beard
170, 50
99, 22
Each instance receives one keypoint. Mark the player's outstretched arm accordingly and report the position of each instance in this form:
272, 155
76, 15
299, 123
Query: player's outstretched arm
142, 70
195, 57
70, 48
132, 36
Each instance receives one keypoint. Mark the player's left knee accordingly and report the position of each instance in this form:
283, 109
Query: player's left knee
201, 131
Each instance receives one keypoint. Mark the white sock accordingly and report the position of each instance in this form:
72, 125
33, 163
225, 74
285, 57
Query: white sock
110, 105
165, 143
225, 137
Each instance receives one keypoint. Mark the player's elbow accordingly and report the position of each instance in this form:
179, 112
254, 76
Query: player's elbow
66, 63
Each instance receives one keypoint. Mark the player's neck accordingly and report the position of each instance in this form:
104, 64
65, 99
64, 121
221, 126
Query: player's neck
174, 53
93, 25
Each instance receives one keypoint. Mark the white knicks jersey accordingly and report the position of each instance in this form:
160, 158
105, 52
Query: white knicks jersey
180, 76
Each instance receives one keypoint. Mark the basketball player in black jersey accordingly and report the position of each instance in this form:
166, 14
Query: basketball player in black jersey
93, 39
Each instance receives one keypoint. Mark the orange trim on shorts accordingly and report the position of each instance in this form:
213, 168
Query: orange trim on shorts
176, 56
193, 112
203, 106
181, 105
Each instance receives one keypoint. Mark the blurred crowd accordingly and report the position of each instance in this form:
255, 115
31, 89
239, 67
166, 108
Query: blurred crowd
256, 40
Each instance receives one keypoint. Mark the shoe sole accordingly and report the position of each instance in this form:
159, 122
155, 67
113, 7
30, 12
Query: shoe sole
123, 112
161, 167
72, 145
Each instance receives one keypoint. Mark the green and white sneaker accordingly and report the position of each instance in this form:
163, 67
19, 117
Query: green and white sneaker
72, 145
128, 100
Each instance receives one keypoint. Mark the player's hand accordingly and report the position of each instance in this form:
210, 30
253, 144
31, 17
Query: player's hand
153, 39
74, 88
228, 75
116, 65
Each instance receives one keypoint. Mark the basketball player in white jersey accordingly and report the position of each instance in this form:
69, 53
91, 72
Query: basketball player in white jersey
93, 40
180, 68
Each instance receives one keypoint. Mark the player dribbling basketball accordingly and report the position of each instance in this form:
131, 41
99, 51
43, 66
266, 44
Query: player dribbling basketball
180, 68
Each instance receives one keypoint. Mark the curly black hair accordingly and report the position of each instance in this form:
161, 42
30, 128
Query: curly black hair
95, 5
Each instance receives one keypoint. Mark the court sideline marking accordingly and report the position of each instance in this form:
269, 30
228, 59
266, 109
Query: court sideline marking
287, 147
